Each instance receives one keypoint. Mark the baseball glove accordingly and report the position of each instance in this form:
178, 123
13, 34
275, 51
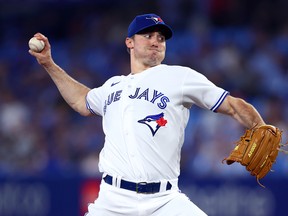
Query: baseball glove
257, 150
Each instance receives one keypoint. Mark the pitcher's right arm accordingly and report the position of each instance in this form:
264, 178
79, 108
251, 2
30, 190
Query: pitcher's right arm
73, 92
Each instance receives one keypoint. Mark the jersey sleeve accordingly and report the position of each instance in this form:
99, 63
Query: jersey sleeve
198, 90
96, 98
94, 101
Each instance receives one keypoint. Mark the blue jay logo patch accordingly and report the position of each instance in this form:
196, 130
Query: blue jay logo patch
155, 19
154, 122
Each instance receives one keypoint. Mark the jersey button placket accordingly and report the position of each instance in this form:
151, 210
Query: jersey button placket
128, 111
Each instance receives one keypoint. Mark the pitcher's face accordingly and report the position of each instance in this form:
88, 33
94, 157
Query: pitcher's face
148, 48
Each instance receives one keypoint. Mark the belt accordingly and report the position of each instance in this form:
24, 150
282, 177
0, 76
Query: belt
140, 187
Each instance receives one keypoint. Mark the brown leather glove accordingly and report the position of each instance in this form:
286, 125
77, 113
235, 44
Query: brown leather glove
257, 150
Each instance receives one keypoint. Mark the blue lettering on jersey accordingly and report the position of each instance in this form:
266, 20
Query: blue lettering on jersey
152, 96
114, 96
110, 98
164, 100
144, 95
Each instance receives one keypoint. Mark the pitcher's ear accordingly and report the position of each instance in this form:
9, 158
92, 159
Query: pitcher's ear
129, 43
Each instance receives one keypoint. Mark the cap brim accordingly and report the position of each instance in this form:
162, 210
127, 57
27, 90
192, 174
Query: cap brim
163, 28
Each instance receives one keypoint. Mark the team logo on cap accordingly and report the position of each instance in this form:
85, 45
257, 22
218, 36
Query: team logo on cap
155, 19
154, 122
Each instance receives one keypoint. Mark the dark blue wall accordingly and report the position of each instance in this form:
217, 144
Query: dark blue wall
70, 196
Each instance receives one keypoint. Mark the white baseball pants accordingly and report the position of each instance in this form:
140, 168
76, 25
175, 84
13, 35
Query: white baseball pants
113, 201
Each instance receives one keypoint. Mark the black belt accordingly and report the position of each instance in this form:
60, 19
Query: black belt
140, 187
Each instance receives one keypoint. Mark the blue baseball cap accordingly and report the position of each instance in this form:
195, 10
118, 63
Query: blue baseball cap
147, 21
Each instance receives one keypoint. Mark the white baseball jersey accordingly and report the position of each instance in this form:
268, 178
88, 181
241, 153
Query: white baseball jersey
144, 118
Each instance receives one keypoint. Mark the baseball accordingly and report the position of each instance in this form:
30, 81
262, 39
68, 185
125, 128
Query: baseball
36, 45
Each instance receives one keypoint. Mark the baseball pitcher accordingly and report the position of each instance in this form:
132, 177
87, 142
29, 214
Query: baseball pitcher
144, 117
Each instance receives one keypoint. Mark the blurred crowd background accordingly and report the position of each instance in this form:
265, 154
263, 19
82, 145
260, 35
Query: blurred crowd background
240, 45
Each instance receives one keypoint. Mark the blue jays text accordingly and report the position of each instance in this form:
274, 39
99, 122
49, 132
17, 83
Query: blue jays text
152, 96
